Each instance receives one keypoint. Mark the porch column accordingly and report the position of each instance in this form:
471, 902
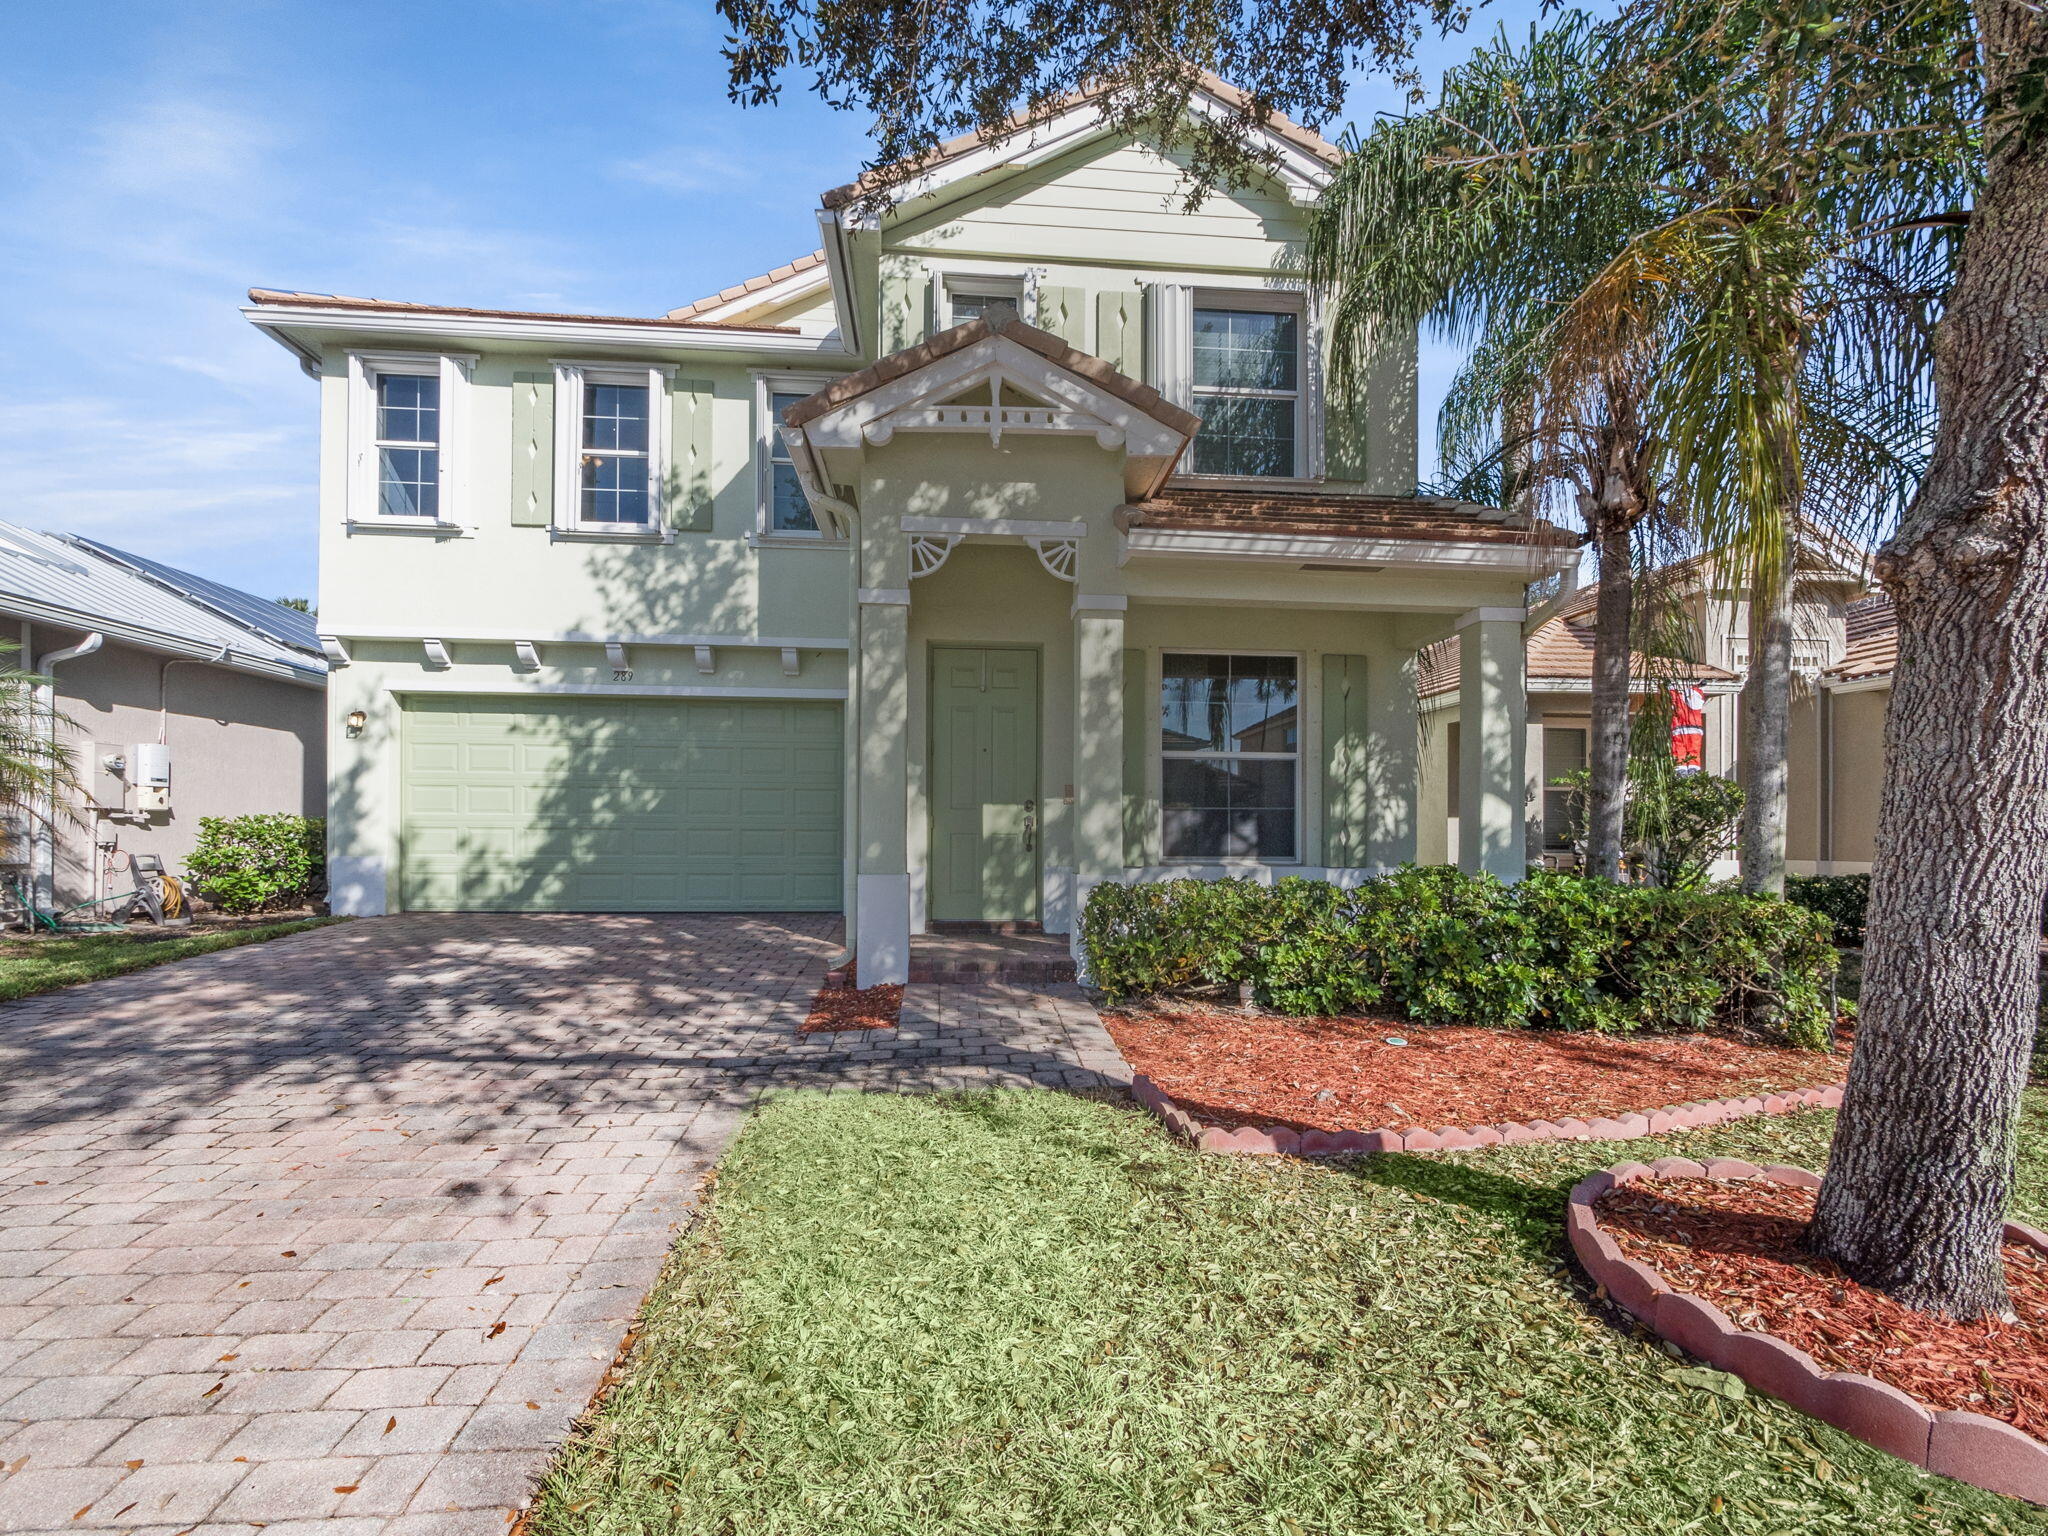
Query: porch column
1098, 817
881, 937
1493, 700
1396, 811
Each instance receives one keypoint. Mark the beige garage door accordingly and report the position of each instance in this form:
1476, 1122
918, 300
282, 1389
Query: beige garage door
619, 805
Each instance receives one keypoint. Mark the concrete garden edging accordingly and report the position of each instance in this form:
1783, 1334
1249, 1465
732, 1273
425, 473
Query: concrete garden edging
1280, 1140
1969, 1447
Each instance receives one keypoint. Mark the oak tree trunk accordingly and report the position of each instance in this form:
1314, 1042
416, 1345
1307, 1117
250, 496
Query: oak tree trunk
1922, 1163
1766, 724
1607, 746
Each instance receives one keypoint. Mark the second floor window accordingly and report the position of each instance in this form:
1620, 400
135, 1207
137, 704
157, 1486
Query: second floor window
616, 463
788, 510
1247, 390
408, 445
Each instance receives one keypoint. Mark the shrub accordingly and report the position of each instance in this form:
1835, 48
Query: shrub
1844, 899
259, 863
1442, 947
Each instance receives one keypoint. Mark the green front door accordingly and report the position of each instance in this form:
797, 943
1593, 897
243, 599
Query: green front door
985, 799
519, 803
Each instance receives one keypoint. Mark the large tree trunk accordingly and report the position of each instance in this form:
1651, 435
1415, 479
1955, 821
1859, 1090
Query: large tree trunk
1766, 725
1922, 1163
1607, 748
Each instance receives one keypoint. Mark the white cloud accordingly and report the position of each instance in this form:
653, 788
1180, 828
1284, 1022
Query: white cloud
690, 169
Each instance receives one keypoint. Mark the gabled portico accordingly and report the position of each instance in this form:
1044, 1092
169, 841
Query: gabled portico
1053, 686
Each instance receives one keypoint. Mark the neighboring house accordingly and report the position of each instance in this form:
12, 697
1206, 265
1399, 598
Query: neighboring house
1713, 617
1836, 755
1559, 669
1013, 542
179, 697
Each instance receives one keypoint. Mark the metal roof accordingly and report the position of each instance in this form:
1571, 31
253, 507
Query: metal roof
77, 582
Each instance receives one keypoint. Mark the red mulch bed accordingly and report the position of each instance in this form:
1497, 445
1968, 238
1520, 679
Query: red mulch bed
1236, 1069
853, 1007
1736, 1244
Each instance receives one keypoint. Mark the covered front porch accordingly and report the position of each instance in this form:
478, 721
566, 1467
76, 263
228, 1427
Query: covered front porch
1066, 673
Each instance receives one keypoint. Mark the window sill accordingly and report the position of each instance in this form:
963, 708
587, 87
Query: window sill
631, 533
431, 527
1251, 482
759, 540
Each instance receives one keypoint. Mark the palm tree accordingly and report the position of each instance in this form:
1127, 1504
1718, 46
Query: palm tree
36, 767
1403, 235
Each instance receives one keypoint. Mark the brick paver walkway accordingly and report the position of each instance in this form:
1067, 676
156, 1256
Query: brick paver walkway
336, 1234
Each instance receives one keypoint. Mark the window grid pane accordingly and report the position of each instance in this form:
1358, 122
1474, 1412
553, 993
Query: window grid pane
408, 482
1229, 741
789, 511
408, 409
1247, 367
615, 462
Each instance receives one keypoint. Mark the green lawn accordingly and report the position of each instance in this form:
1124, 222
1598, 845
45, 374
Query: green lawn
1027, 1312
29, 966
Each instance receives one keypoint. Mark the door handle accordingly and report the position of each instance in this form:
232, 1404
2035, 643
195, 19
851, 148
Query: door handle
1030, 825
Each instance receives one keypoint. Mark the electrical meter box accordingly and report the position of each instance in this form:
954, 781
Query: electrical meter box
149, 771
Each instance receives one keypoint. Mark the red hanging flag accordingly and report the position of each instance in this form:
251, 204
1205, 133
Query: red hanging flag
1689, 729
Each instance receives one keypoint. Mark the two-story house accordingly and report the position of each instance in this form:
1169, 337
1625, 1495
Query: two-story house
1012, 542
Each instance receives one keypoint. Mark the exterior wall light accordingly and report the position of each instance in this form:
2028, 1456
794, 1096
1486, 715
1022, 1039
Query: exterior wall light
356, 721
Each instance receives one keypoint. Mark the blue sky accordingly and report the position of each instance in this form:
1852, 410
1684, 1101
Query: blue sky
157, 159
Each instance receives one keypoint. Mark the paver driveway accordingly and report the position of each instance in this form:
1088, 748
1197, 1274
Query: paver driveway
340, 1231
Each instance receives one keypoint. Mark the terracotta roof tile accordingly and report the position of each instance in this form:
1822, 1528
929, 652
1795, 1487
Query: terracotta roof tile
1304, 139
398, 306
1338, 515
1561, 650
725, 296
1873, 649
853, 385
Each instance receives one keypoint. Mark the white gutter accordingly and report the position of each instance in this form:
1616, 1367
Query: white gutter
841, 514
624, 336
839, 274
44, 869
307, 673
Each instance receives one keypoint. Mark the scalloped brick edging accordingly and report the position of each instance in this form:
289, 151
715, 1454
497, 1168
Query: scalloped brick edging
1969, 1447
1279, 1139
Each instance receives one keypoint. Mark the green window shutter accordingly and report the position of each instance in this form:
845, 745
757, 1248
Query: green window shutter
1141, 716
533, 449
690, 488
1064, 312
1120, 330
1347, 786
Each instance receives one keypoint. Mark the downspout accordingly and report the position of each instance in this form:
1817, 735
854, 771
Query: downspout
45, 853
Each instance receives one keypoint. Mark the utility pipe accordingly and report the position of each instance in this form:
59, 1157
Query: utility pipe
45, 867
163, 686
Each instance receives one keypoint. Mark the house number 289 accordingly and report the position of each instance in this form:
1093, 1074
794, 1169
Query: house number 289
622, 674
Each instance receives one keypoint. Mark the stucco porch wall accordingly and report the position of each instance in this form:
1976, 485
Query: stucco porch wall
1000, 596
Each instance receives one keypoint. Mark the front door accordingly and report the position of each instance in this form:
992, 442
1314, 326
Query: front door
985, 800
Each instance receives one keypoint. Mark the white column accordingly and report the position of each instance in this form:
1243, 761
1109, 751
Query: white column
1098, 816
1492, 786
882, 880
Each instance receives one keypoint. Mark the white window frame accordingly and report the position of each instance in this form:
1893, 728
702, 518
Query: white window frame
982, 277
1307, 367
766, 439
364, 492
572, 378
1299, 756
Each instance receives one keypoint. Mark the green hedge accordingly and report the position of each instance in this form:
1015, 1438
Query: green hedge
260, 863
1843, 899
1555, 951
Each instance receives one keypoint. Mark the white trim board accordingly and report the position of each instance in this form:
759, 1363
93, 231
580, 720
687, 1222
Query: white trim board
458, 683
459, 633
